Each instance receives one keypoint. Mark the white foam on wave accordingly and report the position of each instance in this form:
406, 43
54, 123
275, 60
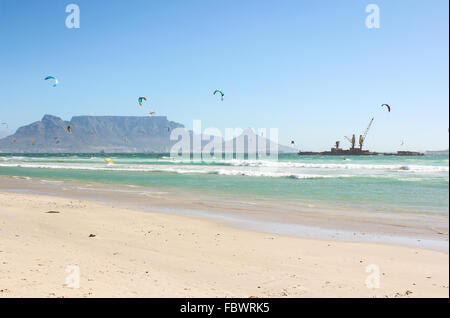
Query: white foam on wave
11, 158
337, 166
239, 163
270, 174
181, 170
250, 168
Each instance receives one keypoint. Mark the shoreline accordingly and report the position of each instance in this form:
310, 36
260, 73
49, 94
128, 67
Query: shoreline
404, 229
144, 254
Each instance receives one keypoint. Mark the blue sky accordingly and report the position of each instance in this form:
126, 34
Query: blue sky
310, 68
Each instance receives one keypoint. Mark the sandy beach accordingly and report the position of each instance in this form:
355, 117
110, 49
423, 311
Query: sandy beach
121, 252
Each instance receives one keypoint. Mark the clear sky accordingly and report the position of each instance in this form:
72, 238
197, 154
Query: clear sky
310, 68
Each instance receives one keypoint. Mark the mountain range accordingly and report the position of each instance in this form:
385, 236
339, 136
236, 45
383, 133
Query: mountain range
109, 134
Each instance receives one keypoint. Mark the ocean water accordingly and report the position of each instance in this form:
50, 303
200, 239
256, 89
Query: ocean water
369, 183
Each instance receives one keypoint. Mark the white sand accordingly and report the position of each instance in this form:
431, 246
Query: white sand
139, 254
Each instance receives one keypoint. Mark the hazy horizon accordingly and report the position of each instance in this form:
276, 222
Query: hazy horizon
344, 144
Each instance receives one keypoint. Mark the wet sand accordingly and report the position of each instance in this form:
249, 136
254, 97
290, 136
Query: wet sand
256, 214
124, 252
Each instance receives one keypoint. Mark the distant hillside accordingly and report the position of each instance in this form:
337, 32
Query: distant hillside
111, 134
248, 137
439, 152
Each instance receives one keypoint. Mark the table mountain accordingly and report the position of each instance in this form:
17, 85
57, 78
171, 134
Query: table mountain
110, 134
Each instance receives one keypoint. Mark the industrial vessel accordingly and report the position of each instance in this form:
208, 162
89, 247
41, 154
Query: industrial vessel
356, 151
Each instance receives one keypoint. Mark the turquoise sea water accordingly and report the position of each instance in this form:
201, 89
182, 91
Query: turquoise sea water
375, 183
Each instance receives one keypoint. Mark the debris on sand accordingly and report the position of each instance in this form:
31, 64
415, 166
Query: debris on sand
92, 235
406, 293
52, 212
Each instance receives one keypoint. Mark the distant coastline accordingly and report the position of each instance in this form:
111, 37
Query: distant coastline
437, 152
